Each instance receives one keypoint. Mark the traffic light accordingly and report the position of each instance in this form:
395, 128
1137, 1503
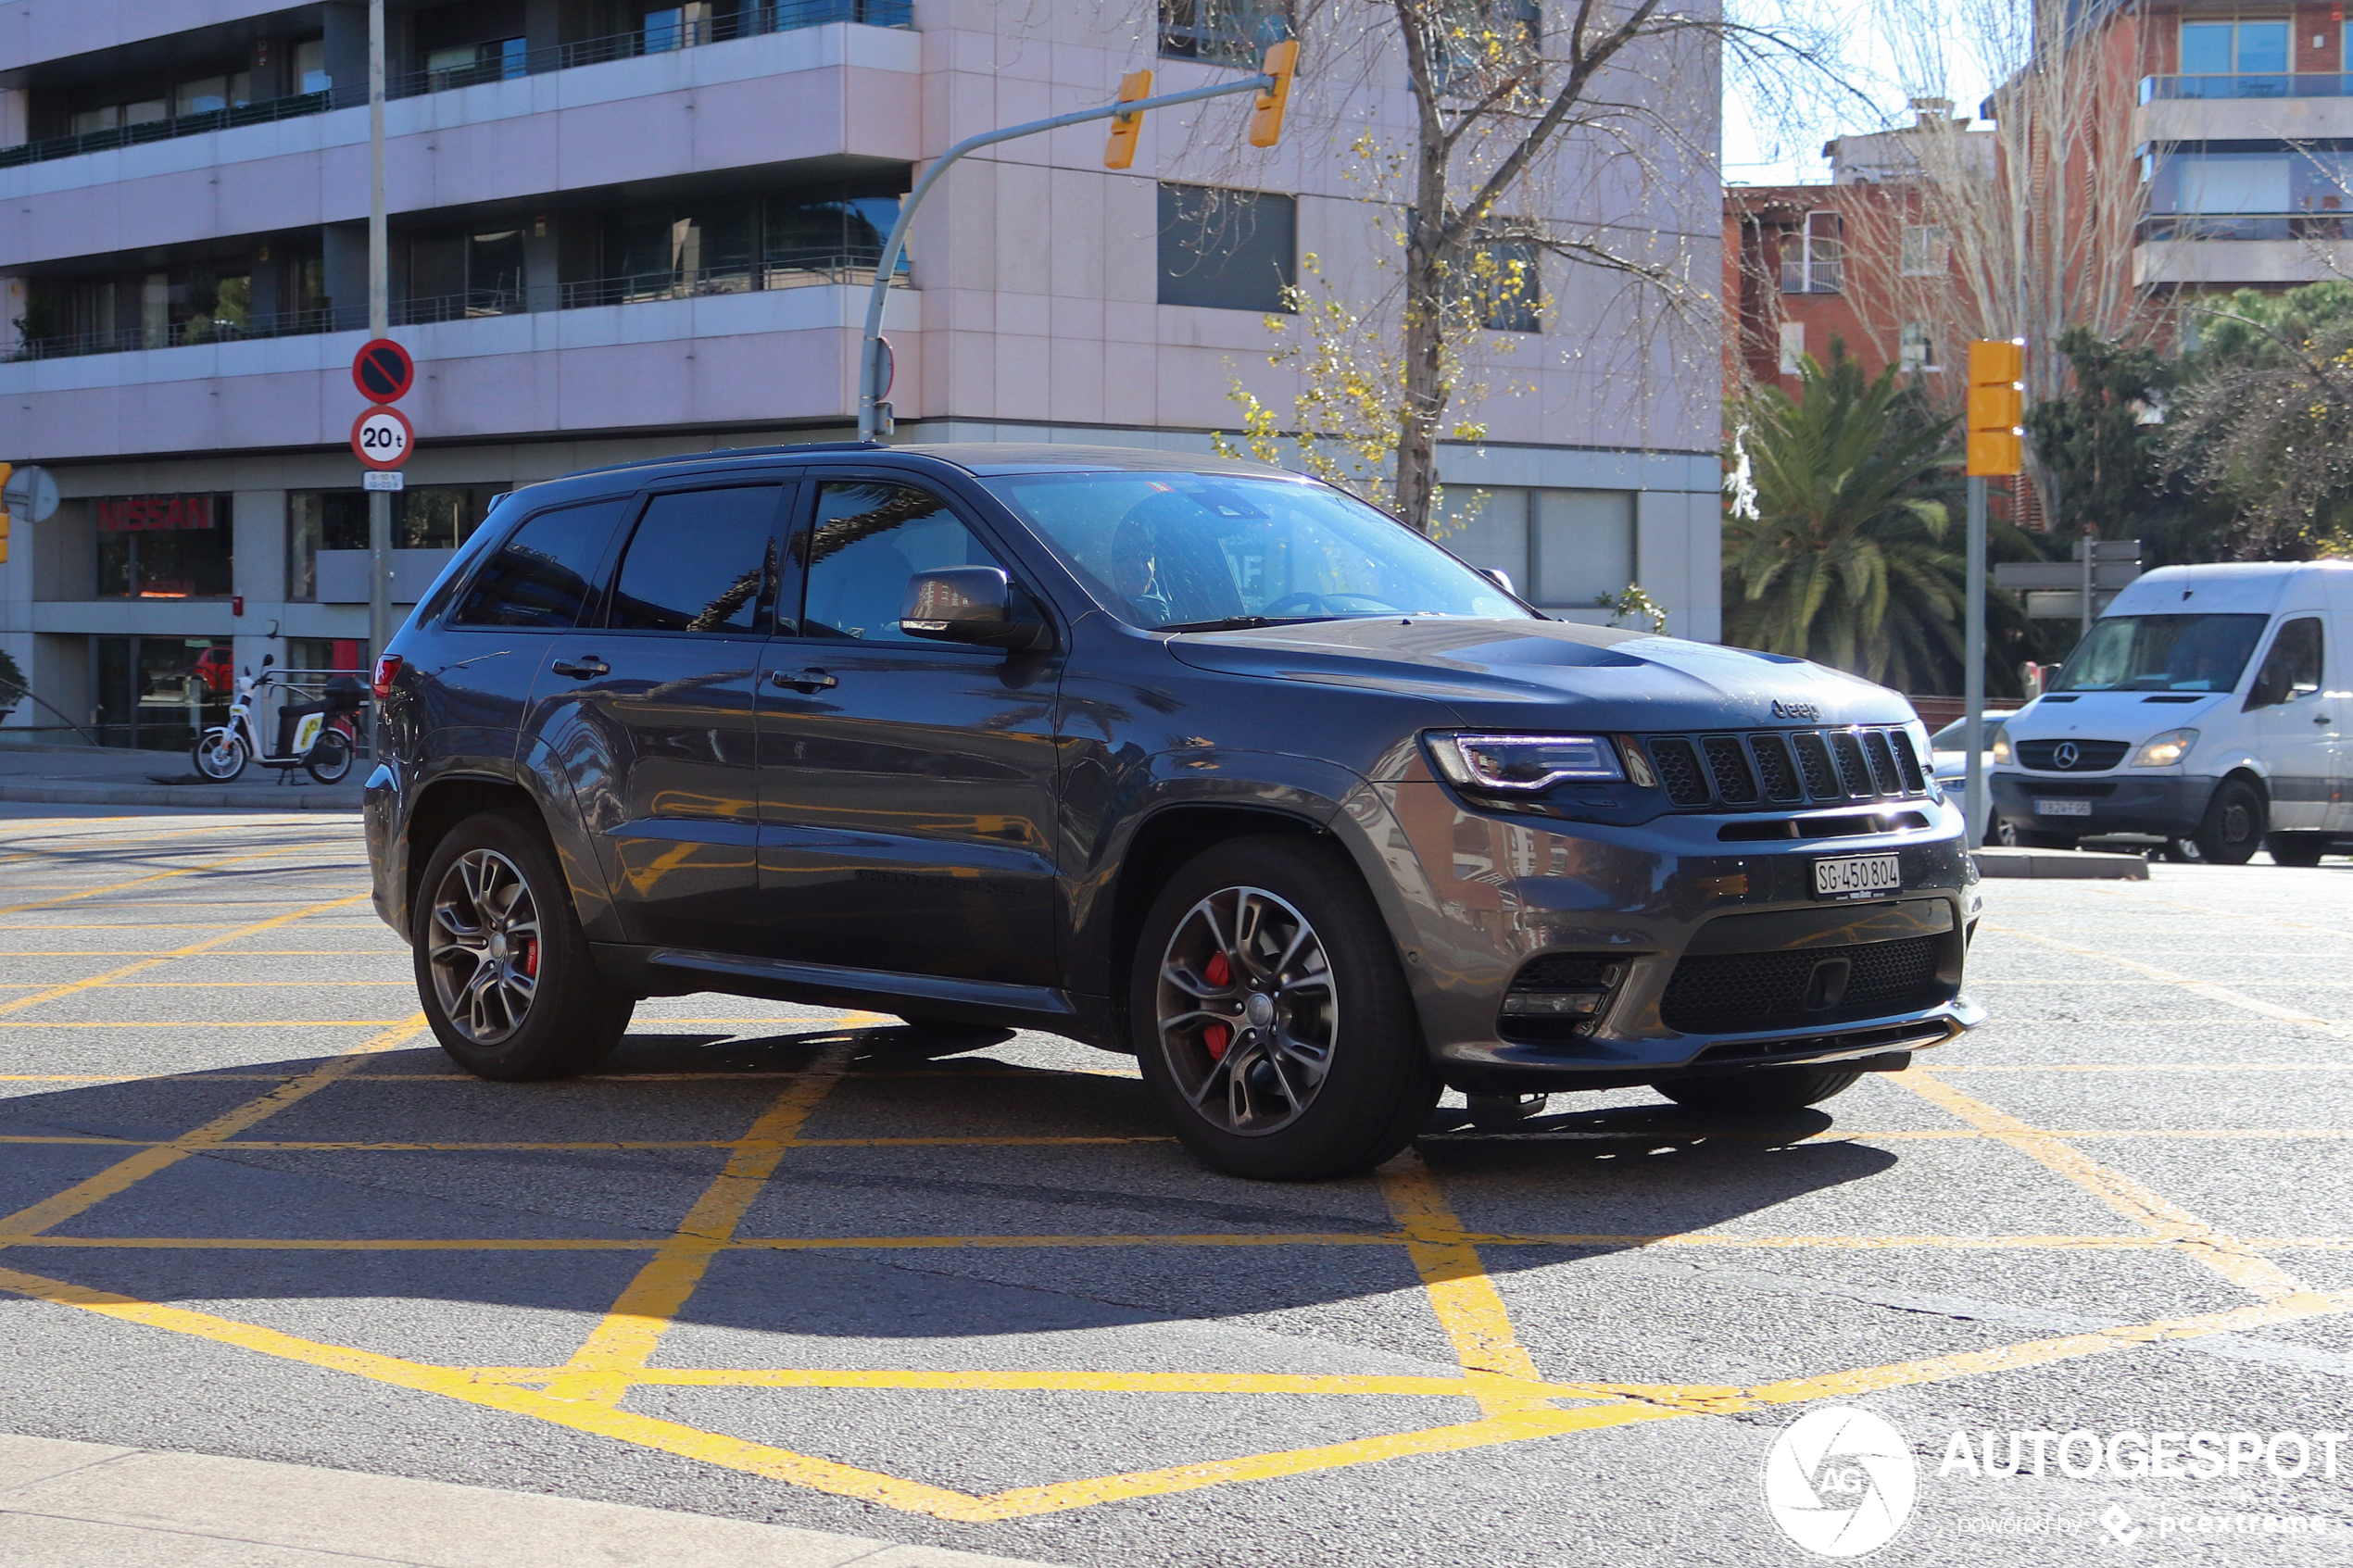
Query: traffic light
1127, 129
1266, 124
1996, 406
6, 470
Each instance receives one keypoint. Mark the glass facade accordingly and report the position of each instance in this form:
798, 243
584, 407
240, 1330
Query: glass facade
163, 546
1562, 549
426, 517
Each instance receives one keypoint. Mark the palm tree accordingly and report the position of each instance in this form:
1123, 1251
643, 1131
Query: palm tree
1839, 554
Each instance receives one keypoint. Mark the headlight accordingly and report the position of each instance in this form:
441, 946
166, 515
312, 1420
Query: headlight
2166, 749
1523, 762
2001, 747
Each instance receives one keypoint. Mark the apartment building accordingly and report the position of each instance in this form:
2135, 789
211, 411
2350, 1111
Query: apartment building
622, 228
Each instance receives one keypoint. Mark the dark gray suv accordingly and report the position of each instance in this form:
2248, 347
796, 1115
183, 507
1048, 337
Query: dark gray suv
1194, 760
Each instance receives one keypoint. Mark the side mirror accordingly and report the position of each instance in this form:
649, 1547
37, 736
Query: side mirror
267, 660
973, 604
1501, 578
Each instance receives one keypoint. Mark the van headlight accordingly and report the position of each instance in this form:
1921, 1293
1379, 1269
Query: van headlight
2166, 749
1523, 762
2001, 747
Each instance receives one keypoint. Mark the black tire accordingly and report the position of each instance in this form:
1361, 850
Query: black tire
227, 764
2236, 819
1761, 1090
570, 1017
2043, 840
1330, 1076
2296, 849
330, 758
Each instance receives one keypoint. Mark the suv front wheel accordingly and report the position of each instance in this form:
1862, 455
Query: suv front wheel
503, 968
1271, 1017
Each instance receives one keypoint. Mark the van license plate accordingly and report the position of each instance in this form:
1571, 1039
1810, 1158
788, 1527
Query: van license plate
1852, 876
2045, 806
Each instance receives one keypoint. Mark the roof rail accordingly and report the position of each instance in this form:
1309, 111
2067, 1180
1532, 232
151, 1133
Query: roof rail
733, 452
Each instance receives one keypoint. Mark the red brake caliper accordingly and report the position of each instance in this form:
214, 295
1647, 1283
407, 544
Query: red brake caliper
531, 959
1216, 1036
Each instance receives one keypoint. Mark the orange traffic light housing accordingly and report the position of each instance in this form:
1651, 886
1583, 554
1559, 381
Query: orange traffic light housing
1996, 408
1266, 123
6, 471
1127, 130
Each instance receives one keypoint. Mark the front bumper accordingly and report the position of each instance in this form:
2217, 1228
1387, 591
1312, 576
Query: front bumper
2169, 805
1490, 890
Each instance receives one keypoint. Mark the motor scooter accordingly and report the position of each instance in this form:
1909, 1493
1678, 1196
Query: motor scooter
309, 735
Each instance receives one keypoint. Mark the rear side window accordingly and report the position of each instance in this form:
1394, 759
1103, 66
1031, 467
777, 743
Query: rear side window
543, 575
869, 538
701, 560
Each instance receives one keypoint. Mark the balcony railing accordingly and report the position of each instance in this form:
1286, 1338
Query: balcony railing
2163, 227
2291, 84
1817, 277
855, 269
754, 18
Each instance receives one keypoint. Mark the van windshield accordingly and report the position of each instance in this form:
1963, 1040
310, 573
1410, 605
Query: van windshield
1192, 552
2162, 653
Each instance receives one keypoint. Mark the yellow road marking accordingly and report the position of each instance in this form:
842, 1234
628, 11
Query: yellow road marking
632, 1329
190, 1023
191, 950
2226, 1255
88, 1193
153, 877
1463, 1298
2206, 988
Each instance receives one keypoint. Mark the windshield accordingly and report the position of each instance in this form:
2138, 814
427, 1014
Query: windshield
2161, 653
1194, 551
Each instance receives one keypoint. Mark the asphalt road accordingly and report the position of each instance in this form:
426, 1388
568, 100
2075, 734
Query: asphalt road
813, 1269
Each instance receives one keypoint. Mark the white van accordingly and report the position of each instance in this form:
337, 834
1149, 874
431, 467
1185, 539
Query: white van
2211, 706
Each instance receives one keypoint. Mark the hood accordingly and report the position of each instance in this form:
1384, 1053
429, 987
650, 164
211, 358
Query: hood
2128, 716
1518, 673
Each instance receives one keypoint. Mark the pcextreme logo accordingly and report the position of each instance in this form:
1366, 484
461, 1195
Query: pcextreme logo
1840, 1482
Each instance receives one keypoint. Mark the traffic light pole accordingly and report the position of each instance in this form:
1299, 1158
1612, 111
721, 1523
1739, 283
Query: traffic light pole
379, 322
1974, 671
870, 373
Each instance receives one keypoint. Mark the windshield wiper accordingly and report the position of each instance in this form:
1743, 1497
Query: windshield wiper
1244, 622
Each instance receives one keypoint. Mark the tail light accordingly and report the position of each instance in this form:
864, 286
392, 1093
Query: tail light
388, 672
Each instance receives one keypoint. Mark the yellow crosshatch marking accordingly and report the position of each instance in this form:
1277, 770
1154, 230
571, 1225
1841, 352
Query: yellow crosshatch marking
1495, 1372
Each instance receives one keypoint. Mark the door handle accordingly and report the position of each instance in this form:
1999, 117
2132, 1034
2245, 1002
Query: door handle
586, 668
2320, 719
802, 680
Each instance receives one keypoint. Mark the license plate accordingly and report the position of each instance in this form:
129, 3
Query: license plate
1852, 876
2044, 807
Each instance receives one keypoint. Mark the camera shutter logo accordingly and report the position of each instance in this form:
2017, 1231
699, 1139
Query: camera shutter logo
2065, 756
1840, 1482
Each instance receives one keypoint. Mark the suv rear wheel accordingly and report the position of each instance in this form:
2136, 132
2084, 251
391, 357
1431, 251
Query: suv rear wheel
1271, 1017
503, 968
1762, 1090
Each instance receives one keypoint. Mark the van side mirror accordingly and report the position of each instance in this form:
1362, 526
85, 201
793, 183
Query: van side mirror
973, 604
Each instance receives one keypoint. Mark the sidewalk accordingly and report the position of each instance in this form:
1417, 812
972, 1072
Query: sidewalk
83, 1505
116, 776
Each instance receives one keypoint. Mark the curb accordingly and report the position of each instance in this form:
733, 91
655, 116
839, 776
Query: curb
2051, 865
313, 798
89, 1505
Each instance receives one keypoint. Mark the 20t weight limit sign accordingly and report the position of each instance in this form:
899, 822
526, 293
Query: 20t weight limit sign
382, 437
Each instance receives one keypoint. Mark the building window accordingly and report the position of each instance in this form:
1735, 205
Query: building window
2234, 48
1915, 350
163, 546
1476, 45
739, 244
1924, 255
1228, 250
1230, 32
1812, 258
310, 66
429, 517
1792, 359
1562, 549
1506, 286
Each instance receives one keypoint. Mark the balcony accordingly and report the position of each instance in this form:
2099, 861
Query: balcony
785, 15
2209, 250
2293, 106
853, 270
2293, 84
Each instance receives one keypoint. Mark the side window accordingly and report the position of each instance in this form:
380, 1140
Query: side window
869, 537
2293, 668
701, 560
543, 575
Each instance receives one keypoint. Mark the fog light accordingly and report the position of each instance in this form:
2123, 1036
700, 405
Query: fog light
1553, 1004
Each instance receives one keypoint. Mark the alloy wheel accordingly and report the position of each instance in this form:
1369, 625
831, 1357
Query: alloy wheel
1247, 1011
483, 947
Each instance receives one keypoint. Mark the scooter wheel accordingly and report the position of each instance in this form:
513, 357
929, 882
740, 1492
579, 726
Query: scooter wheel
330, 759
222, 758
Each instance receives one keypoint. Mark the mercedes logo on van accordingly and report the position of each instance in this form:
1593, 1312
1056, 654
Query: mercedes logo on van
2066, 754
1796, 710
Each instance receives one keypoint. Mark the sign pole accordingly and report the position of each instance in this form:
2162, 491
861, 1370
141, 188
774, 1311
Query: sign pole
1973, 672
379, 322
